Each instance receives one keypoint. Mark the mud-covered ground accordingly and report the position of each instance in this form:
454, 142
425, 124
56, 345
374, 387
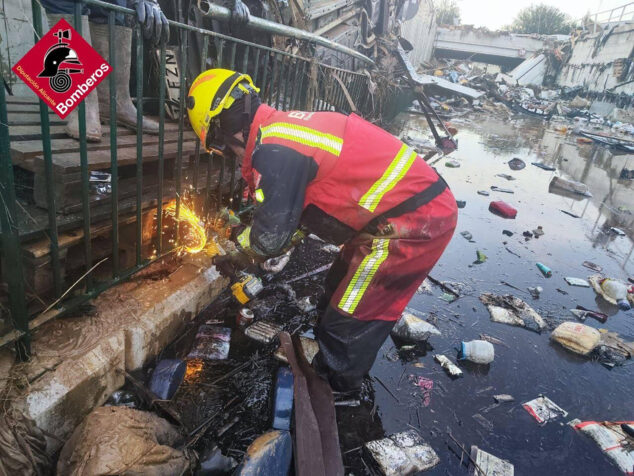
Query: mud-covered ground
526, 365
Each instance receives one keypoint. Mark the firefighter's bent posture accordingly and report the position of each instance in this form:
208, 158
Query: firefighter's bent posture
347, 181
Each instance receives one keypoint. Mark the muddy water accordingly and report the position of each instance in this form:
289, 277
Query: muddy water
529, 364
526, 366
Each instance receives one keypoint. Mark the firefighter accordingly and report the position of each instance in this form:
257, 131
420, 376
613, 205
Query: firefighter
345, 180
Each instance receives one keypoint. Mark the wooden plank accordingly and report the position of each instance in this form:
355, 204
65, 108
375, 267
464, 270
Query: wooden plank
100, 159
34, 132
42, 248
24, 150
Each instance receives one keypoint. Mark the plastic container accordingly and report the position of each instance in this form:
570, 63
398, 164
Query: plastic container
617, 291
283, 399
502, 209
477, 351
546, 271
166, 378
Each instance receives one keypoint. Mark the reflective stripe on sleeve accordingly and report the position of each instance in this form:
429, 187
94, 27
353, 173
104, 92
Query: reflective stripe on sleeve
392, 175
363, 275
303, 135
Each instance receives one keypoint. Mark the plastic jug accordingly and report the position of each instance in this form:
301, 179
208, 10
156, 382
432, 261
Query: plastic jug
477, 351
617, 291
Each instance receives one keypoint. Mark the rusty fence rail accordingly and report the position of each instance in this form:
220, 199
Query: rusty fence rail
287, 82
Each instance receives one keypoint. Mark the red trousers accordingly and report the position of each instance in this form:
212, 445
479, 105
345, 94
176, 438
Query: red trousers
375, 276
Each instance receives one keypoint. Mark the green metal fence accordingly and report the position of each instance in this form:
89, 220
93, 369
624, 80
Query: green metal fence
287, 82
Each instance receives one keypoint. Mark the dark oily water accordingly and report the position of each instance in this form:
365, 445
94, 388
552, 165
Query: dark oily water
529, 364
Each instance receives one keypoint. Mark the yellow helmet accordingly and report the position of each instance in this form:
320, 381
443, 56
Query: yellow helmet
212, 92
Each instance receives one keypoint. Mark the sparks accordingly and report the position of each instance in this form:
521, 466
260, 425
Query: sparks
193, 235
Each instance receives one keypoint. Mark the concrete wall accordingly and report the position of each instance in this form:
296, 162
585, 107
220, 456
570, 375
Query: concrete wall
420, 31
594, 57
16, 38
472, 41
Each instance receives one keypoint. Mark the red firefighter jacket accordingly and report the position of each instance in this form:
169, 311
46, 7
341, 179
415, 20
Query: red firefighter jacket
331, 172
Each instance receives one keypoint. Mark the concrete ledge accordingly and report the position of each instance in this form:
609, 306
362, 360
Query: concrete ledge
79, 361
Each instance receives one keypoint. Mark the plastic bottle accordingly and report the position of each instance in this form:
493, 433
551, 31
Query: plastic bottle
477, 351
617, 291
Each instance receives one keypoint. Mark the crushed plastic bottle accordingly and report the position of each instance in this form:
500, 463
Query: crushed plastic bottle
617, 291
477, 351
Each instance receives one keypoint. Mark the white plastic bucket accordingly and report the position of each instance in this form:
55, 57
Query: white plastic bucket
478, 351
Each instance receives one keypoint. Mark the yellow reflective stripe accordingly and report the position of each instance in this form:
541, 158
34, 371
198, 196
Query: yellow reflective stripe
303, 135
244, 238
259, 195
363, 276
395, 172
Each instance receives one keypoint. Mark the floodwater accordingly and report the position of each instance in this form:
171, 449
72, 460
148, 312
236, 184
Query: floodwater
530, 365
526, 366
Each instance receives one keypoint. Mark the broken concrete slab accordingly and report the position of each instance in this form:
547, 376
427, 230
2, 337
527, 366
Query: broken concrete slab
413, 329
402, 454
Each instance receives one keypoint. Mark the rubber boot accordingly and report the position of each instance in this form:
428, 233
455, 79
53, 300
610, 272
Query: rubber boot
126, 111
93, 126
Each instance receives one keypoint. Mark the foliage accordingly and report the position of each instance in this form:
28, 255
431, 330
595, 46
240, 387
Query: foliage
447, 12
542, 19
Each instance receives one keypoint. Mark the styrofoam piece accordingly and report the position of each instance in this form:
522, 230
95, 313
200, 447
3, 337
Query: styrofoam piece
402, 454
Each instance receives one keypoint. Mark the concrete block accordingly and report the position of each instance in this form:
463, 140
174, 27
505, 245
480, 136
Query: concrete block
157, 326
60, 399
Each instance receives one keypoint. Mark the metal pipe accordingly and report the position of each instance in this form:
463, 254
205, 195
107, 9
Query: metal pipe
203, 65
181, 124
224, 14
114, 166
11, 255
161, 147
48, 169
83, 163
139, 142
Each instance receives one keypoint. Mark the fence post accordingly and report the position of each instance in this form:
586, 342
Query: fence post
11, 253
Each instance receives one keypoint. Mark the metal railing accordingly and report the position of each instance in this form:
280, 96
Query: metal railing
287, 81
622, 13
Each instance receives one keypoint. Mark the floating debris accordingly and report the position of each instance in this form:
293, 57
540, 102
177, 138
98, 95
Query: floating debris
592, 266
468, 236
502, 209
426, 385
582, 313
503, 398
481, 257
582, 283
507, 233
543, 409
506, 176
402, 454
511, 310
577, 338
516, 164
477, 351
485, 464
451, 368
546, 271
570, 214
614, 439
454, 164
413, 329
484, 193
550, 168
569, 186
535, 291
495, 188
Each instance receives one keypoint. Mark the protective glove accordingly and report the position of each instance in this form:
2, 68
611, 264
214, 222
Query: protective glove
231, 263
150, 15
239, 12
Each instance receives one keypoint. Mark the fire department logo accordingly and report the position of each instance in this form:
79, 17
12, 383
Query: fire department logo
62, 68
